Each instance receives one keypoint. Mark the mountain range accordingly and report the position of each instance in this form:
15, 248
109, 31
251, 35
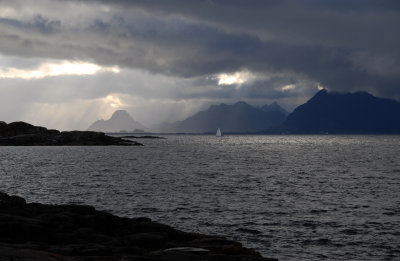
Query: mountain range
120, 121
325, 112
236, 118
344, 113
274, 107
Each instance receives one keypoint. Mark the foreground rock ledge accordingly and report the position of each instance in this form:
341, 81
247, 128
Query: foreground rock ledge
25, 134
74, 232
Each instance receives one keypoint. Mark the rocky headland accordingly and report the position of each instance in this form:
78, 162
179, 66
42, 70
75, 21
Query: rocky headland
32, 231
25, 134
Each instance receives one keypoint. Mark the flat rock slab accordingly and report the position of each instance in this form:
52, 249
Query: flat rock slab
32, 231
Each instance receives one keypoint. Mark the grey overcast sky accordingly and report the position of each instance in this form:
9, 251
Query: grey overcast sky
67, 63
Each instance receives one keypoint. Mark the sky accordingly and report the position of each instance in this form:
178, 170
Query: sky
66, 63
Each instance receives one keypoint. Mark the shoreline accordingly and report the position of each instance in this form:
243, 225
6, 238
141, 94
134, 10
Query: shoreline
33, 231
25, 134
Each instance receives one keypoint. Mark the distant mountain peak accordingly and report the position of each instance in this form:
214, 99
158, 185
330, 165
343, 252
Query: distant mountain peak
241, 103
239, 117
274, 107
120, 120
341, 113
121, 114
322, 92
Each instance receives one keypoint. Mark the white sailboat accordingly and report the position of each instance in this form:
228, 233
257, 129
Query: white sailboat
219, 133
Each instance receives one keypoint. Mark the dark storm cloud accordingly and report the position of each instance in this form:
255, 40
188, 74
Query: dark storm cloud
344, 45
338, 43
332, 22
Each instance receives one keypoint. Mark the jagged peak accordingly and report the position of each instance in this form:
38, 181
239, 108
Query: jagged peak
274, 106
322, 92
119, 120
222, 105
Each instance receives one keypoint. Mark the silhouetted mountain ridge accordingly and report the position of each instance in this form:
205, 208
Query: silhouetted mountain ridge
236, 118
119, 121
274, 107
341, 113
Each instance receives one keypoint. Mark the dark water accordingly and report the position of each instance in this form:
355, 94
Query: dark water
289, 197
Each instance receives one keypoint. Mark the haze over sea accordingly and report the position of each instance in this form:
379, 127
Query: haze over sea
290, 197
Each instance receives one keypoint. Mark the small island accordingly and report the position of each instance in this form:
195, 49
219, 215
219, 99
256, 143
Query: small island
25, 134
32, 231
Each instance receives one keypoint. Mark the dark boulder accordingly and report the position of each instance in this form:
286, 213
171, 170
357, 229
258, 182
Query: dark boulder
11, 201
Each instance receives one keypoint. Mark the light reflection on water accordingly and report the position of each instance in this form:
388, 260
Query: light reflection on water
290, 197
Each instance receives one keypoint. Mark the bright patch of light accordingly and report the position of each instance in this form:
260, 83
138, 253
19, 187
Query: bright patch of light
113, 101
234, 78
288, 87
320, 87
57, 69
6, 12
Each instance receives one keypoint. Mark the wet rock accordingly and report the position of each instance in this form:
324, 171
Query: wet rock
31, 231
11, 200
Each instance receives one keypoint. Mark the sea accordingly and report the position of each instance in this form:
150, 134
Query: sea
310, 197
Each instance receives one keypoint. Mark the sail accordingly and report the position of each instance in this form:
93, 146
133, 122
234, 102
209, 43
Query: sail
218, 134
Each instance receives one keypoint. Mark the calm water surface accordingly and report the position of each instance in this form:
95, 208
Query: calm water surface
289, 197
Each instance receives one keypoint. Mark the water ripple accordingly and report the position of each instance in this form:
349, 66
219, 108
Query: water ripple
290, 197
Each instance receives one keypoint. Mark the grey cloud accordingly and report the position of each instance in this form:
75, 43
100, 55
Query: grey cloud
343, 45
318, 38
322, 22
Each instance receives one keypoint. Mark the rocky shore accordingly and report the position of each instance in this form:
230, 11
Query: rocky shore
32, 231
25, 134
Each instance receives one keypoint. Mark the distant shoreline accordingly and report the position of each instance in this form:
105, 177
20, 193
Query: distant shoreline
25, 134
156, 134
